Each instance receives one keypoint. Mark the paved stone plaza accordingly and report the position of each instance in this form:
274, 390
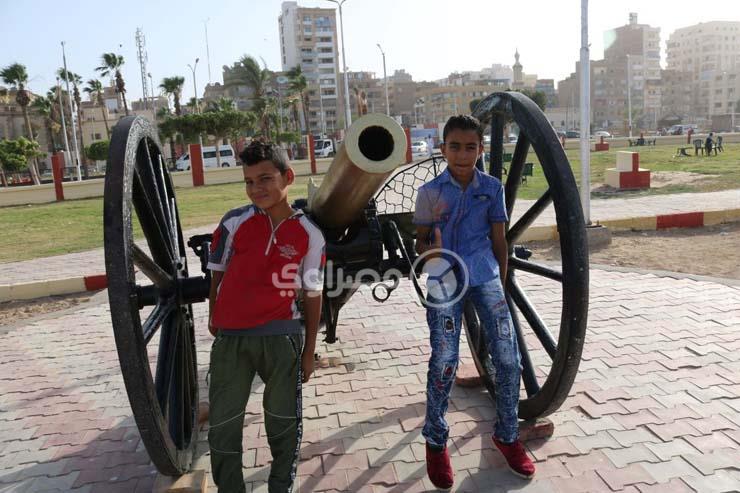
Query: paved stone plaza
655, 407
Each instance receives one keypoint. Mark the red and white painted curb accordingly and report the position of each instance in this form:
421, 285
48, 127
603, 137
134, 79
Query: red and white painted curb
55, 287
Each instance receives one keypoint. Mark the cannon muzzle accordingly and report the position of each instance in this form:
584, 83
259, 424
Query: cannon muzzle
373, 147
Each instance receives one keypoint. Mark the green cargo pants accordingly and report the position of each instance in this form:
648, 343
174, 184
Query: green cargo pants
235, 359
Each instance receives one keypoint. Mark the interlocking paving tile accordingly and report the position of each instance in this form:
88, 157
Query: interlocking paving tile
654, 407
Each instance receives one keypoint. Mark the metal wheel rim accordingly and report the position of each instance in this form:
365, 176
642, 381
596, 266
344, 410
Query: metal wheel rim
169, 432
537, 133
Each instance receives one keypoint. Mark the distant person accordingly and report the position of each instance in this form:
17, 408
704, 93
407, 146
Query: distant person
430, 144
688, 135
708, 144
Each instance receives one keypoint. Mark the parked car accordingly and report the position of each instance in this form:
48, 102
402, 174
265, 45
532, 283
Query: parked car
572, 134
419, 147
324, 148
602, 133
209, 158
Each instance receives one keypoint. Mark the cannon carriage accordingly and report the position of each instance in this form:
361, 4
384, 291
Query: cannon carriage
364, 207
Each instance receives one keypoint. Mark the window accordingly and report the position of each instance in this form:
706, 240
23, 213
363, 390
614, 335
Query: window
307, 38
225, 152
209, 155
325, 50
98, 136
326, 60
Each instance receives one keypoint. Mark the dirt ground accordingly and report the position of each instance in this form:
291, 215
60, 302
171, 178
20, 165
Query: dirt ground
15, 311
710, 251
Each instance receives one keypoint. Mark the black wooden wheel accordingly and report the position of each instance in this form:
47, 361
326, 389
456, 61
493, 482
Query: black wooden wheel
551, 340
161, 383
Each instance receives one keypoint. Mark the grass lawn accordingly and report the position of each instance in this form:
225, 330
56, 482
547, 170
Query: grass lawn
77, 225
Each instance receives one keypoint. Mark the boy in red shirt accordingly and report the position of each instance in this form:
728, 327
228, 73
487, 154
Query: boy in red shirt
264, 258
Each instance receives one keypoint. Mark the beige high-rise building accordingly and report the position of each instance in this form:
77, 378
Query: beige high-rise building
709, 54
308, 38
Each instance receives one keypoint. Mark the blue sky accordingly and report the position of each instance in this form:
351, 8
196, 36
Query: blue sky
429, 38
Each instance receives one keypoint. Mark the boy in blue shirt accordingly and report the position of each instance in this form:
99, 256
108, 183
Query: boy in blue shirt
460, 221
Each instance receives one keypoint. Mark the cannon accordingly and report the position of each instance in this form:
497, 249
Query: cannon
364, 208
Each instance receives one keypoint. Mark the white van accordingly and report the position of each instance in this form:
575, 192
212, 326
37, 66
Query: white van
324, 148
209, 158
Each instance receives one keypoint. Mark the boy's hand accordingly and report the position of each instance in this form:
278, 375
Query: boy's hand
307, 364
436, 245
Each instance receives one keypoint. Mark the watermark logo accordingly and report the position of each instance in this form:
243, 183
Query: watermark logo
447, 281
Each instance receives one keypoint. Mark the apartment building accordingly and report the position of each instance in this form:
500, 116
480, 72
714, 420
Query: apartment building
308, 38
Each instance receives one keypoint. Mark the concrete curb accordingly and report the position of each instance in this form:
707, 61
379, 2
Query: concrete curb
53, 287
95, 282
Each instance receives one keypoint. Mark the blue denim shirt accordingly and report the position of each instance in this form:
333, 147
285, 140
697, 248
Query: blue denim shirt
464, 218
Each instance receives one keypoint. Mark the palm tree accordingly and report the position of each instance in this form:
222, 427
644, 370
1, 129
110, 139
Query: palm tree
221, 104
172, 86
95, 90
299, 85
76, 80
192, 104
257, 79
112, 64
44, 106
17, 76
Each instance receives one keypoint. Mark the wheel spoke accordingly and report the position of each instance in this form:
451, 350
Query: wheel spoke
528, 374
159, 277
534, 268
152, 220
529, 217
156, 318
533, 318
514, 177
497, 145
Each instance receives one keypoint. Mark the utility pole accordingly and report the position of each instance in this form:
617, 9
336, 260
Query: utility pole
385, 78
347, 109
208, 50
585, 116
629, 95
71, 114
142, 56
61, 110
195, 87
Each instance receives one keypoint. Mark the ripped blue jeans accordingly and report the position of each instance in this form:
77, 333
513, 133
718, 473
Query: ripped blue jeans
445, 324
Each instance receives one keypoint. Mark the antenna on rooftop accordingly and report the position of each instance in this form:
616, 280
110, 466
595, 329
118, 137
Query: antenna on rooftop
141, 54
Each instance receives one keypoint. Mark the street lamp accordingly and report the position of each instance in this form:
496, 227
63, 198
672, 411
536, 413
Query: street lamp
629, 95
195, 87
347, 109
385, 78
151, 84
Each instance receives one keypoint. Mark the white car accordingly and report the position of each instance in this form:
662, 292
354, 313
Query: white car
209, 158
419, 147
602, 133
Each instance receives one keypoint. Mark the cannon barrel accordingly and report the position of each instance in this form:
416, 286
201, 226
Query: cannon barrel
373, 147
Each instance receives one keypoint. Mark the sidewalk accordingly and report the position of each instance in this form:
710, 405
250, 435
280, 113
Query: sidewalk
655, 406
67, 273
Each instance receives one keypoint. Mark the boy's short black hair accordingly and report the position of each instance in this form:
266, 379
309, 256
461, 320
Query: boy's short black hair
258, 151
463, 122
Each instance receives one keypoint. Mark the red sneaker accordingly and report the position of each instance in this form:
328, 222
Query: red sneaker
517, 458
439, 469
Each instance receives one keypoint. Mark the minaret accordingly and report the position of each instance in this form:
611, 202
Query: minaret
518, 82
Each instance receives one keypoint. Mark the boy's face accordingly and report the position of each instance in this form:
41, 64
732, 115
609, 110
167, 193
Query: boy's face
266, 186
461, 149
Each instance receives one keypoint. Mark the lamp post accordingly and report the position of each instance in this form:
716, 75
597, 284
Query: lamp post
385, 79
629, 95
61, 110
208, 51
347, 109
585, 116
195, 87
151, 84
71, 114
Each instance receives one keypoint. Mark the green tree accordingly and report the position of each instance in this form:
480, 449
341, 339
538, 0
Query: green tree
539, 97
95, 90
221, 124
257, 78
167, 130
111, 66
99, 150
44, 106
15, 155
172, 86
299, 85
221, 104
17, 76
474, 103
